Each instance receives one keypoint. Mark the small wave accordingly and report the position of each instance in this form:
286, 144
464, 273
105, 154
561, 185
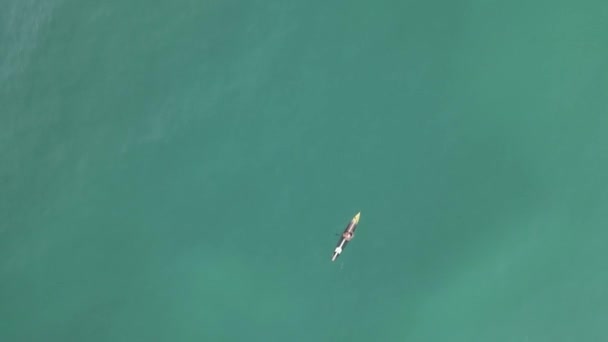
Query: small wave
22, 22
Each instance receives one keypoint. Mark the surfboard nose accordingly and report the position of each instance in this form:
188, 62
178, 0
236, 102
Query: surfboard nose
356, 218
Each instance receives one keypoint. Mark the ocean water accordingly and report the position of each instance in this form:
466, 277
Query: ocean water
178, 171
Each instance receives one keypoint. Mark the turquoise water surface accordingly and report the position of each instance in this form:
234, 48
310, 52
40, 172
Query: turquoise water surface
178, 170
